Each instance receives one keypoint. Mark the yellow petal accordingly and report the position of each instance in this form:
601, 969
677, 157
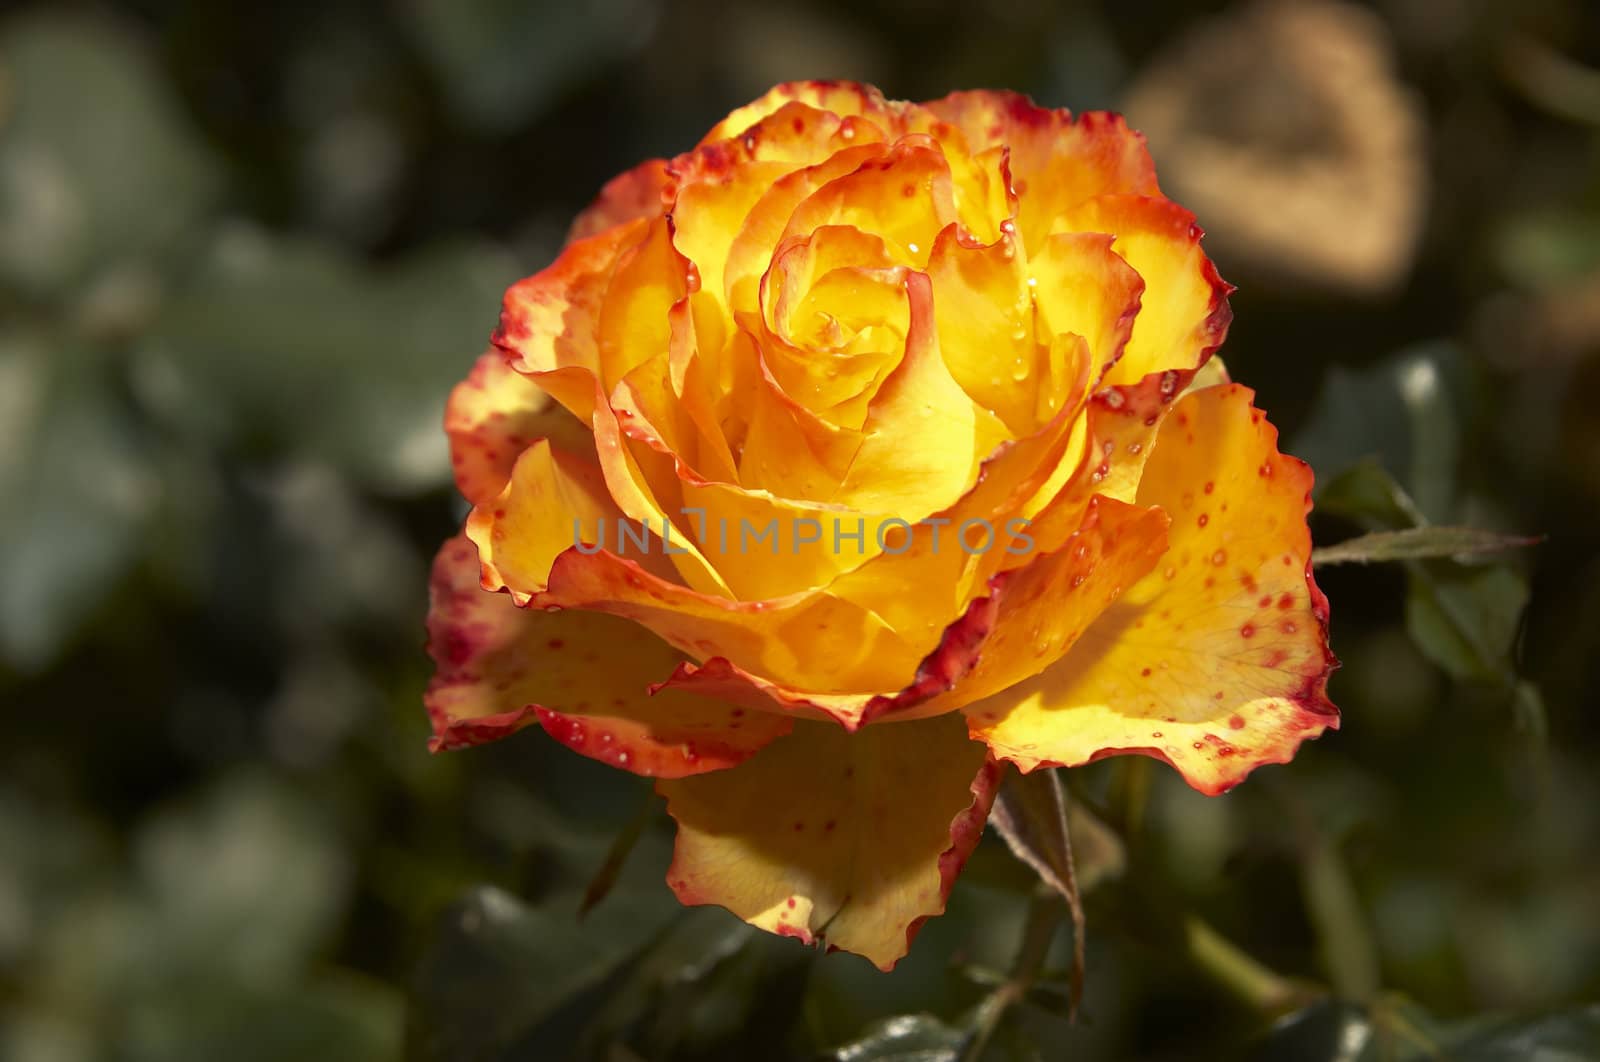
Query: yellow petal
633, 325
984, 312
550, 321
1217, 661
716, 185
1056, 161
1042, 608
1082, 286
585, 676
836, 318
906, 196
921, 401
1120, 426
766, 223
1183, 312
492, 416
553, 500
806, 642
847, 840
788, 449
844, 98
923, 582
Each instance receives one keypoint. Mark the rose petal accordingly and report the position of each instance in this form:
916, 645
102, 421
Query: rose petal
553, 500
922, 584
788, 449
836, 317
984, 314
766, 223
1044, 606
633, 325
1217, 661
809, 641
584, 675
1183, 313
844, 98
1081, 285
920, 400
1056, 161
848, 840
1120, 423
492, 416
550, 321
637, 193
718, 183
905, 195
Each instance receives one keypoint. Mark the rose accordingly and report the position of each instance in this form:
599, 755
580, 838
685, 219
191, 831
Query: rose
971, 318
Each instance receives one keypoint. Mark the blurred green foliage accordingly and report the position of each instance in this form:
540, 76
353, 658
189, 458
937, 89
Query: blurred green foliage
244, 252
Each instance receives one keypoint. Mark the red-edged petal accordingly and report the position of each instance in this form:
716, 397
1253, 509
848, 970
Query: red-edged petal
1217, 661
847, 840
1056, 161
585, 676
636, 194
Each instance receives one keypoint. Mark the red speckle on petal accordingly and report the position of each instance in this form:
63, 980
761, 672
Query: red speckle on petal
1210, 486
1236, 722
1203, 520
1247, 631
1145, 672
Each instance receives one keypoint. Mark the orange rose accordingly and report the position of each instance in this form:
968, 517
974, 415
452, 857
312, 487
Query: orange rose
866, 412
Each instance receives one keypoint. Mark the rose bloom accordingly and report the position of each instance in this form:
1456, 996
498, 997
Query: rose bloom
910, 414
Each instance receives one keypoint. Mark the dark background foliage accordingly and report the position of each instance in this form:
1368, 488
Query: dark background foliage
246, 249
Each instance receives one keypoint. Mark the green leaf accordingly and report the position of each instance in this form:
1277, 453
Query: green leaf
499, 970
906, 1038
711, 987
1466, 619
1463, 617
1563, 1036
1030, 813
96, 163
1367, 494
1396, 1031
1418, 543
1402, 413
